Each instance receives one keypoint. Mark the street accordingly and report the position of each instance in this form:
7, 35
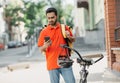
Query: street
38, 73
20, 54
97, 73
15, 55
12, 55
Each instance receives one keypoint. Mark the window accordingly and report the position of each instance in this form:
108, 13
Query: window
117, 30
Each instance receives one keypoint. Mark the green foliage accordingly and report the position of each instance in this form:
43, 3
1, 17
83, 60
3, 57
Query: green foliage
33, 15
68, 15
12, 15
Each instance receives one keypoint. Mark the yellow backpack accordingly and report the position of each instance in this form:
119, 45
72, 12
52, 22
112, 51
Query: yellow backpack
70, 44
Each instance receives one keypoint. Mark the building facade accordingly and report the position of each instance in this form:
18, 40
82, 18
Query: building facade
112, 29
89, 22
3, 27
106, 12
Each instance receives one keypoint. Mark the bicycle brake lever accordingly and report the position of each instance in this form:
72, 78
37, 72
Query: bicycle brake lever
78, 60
92, 62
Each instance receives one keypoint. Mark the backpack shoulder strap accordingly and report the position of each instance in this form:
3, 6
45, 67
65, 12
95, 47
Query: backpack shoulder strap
63, 30
44, 26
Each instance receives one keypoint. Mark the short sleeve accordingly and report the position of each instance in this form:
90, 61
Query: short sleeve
41, 38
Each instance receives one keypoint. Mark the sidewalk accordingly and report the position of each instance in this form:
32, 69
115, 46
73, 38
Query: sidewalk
37, 73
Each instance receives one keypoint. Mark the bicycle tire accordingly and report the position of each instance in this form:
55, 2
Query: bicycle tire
83, 81
83, 76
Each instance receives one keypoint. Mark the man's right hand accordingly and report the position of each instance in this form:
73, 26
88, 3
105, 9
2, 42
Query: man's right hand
47, 43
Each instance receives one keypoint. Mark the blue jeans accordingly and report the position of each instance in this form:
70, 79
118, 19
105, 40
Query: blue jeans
66, 73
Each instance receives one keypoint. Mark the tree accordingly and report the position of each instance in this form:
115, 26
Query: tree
12, 18
34, 15
68, 15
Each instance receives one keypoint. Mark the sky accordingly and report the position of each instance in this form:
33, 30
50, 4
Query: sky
69, 1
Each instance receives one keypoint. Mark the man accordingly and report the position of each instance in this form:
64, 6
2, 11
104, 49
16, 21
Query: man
53, 49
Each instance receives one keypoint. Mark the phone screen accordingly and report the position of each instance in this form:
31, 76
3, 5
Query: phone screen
47, 38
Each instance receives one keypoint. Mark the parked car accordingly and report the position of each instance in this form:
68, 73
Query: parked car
19, 44
25, 43
14, 44
2, 46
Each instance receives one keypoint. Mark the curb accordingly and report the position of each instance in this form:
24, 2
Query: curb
109, 76
17, 66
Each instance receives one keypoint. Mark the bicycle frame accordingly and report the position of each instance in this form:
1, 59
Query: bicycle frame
87, 61
83, 75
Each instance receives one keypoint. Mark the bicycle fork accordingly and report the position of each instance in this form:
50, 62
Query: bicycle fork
83, 75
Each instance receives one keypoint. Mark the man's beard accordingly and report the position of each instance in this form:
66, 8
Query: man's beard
53, 23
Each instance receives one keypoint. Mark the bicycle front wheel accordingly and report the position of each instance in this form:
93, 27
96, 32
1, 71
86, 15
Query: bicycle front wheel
83, 81
83, 76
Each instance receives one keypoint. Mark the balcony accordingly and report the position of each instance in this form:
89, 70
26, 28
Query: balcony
82, 3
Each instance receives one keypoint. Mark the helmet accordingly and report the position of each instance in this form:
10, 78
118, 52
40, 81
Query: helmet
65, 63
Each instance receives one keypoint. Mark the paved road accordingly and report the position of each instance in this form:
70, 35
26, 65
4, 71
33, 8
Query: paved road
37, 73
37, 70
12, 55
15, 55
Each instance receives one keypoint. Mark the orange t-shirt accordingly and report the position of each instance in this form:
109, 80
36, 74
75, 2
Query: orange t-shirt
53, 51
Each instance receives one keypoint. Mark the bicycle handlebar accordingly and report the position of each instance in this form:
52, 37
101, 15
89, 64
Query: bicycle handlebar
88, 56
94, 56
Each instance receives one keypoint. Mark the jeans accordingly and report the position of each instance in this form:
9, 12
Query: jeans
66, 73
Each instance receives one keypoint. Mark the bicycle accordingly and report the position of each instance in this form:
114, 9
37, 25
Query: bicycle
84, 62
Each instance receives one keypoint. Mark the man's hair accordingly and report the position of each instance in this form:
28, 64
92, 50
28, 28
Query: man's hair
51, 9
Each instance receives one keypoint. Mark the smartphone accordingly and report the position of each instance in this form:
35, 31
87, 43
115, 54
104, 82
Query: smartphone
47, 38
